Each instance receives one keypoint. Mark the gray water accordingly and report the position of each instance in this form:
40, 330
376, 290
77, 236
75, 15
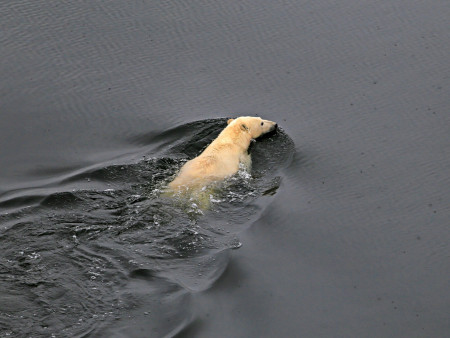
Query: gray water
340, 230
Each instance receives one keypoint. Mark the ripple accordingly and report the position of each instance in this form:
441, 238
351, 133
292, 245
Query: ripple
83, 257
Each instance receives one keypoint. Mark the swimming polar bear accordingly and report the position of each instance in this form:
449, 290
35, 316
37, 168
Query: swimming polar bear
222, 158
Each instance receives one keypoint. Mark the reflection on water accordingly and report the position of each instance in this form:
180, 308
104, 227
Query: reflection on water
77, 261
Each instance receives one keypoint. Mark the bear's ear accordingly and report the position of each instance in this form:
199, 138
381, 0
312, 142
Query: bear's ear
229, 121
244, 127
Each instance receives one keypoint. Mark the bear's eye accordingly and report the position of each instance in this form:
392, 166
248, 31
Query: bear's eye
262, 123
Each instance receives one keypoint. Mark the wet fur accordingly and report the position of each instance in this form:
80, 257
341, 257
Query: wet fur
224, 155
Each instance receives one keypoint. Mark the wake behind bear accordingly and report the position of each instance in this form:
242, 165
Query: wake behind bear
224, 156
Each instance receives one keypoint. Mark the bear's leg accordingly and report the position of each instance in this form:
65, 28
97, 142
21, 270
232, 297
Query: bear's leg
246, 161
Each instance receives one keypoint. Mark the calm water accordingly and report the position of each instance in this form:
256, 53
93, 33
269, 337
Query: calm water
340, 230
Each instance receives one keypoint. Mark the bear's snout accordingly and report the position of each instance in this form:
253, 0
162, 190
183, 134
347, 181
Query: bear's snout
273, 127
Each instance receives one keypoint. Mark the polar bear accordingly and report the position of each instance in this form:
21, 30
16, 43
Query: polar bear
224, 155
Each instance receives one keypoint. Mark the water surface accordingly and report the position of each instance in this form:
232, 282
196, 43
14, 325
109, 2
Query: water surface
341, 228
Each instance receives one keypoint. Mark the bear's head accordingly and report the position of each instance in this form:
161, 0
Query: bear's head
255, 126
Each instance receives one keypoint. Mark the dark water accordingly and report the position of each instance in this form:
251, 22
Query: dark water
340, 230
